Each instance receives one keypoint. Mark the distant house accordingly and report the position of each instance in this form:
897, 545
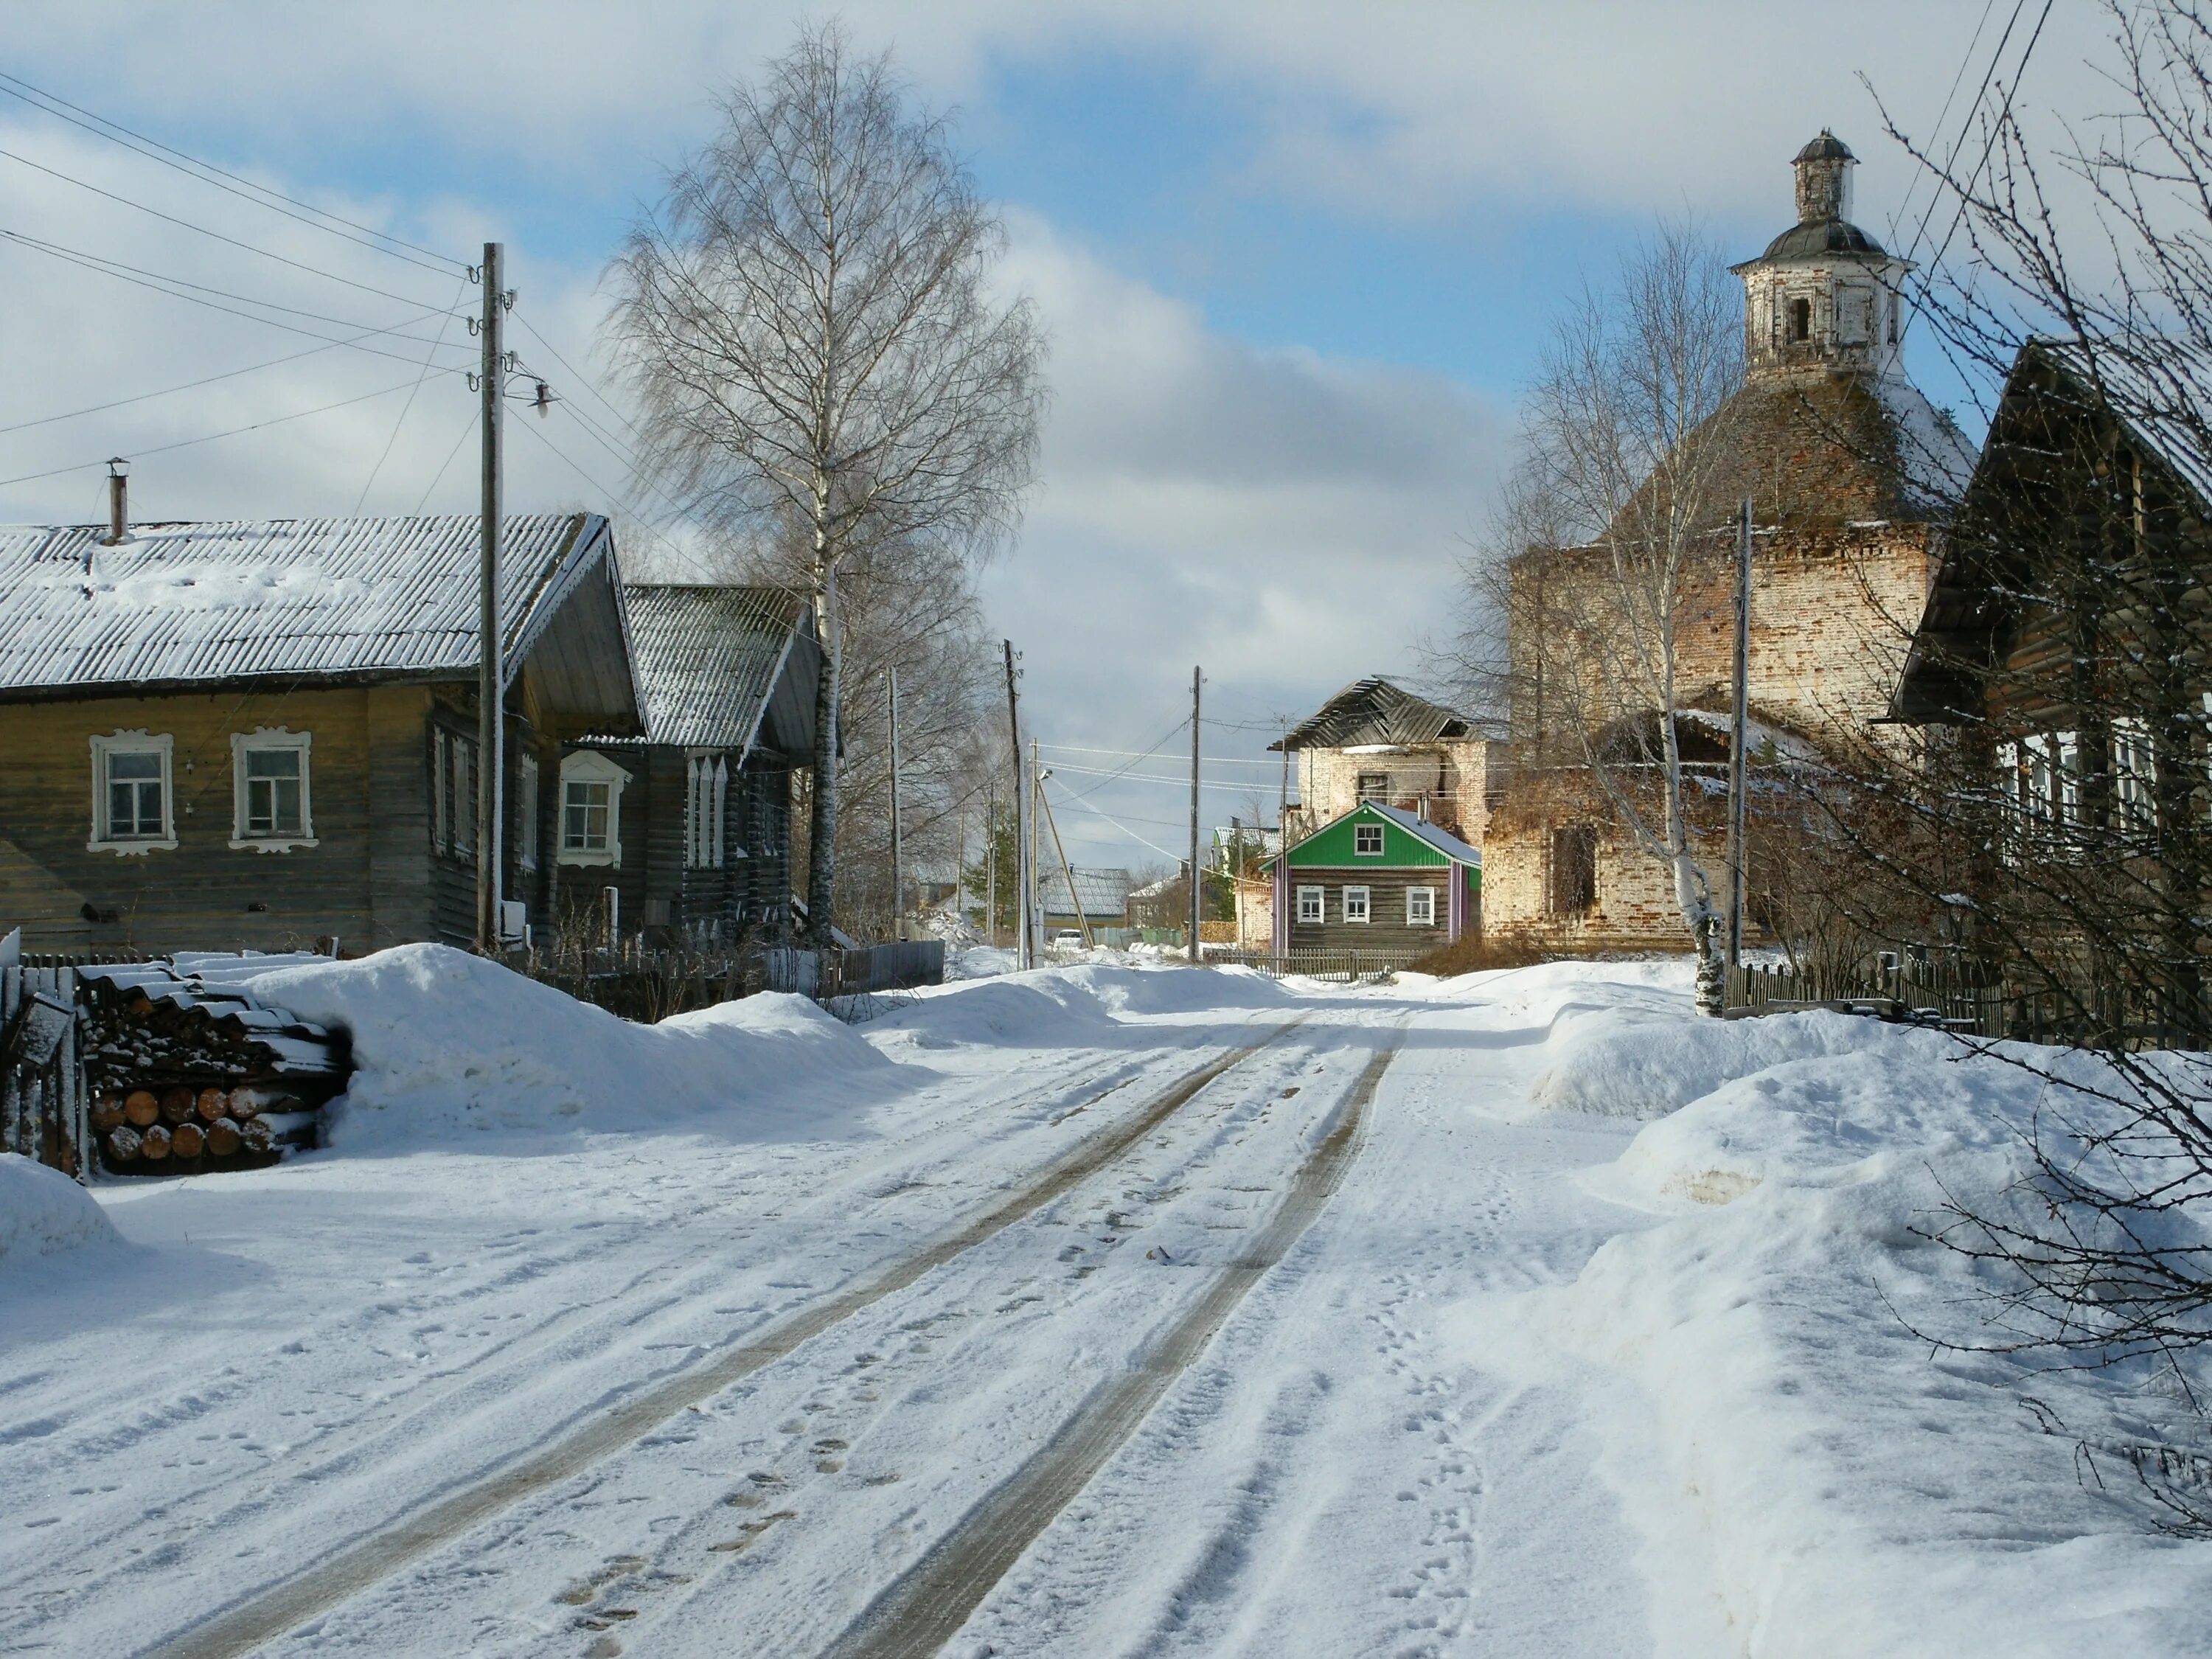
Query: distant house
1374, 741
690, 824
1377, 879
1104, 896
262, 734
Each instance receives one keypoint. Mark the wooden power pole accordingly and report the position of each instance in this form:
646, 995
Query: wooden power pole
1739, 733
491, 671
898, 839
1196, 880
1028, 957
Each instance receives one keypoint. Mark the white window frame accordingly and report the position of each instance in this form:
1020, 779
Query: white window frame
1359, 831
706, 808
1427, 895
265, 740
2135, 776
1366, 901
1313, 904
527, 826
589, 766
132, 743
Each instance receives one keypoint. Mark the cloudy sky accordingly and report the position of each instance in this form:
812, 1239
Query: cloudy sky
1296, 259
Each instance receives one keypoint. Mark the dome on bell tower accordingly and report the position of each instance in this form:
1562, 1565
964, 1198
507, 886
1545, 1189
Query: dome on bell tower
1824, 295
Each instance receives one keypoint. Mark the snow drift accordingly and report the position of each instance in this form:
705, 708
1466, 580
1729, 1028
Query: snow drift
444, 1042
1798, 1447
43, 1213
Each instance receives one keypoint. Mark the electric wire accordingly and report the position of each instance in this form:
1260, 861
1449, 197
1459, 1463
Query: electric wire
209, 438
413, 392
95, 123
430, 489
1141, 754
153, 281
186, 224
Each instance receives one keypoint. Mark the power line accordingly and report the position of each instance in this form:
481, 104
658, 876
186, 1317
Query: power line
93, 124
416, 388
186, 224
430, 489
1148, 777
1142, 754
232, 432
189, 386
154, 280
1179, 858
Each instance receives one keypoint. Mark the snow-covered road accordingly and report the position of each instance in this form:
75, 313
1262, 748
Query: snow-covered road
532, 1367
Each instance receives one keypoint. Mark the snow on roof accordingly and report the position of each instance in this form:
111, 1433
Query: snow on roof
285, 598
2164, 397
1935, 458
1374, 711
1442, 839
1103, 892
708, 658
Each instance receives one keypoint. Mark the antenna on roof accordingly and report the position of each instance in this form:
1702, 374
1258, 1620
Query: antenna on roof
118, 502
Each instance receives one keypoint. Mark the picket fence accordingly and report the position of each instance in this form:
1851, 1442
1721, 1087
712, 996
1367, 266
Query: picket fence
45, 1107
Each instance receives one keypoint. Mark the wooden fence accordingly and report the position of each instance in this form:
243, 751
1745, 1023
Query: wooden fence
44, 1109
1337, 967
1944, 994
647, 984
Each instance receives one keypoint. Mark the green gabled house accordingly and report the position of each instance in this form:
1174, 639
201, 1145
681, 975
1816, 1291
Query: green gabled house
1377, 879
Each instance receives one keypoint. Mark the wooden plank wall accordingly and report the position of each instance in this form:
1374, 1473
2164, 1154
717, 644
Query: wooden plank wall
45, 1114
1387, 933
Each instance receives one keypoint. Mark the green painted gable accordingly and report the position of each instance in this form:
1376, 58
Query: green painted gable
1331, 847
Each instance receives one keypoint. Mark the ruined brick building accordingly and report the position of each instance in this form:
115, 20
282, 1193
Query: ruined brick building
1848, 468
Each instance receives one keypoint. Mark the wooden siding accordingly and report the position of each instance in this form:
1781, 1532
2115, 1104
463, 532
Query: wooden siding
1387, 929
1333, 847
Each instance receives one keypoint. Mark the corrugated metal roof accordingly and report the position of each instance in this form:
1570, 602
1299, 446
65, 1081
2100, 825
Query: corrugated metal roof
285, 598
1373, 710
1104, 892
708, 657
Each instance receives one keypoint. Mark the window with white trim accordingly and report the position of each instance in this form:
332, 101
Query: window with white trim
1421, 907
270, 810
1367, 841
452, 792
2135, 775
1311, 903
706, 811
591, 809
133, 805
2041, 777
1355, 904
525, 812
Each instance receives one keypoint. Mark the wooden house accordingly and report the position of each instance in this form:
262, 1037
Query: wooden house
263, 735
1100, 898
1377, 879
690, 823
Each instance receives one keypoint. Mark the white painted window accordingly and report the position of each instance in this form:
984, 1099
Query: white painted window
270, 808
1367, 841
2135, 773
706, 811
1310, 903
1421, 907
133, 807
1355, 904
591, 809
462, 793
525, 812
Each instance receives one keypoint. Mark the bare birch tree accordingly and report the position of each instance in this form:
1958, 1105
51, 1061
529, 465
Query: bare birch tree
807, 322
1622, 481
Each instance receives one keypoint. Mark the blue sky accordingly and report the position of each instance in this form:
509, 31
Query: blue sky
1296, 260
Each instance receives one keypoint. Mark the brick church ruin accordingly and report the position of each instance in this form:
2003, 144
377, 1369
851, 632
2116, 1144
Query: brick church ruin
1848, 470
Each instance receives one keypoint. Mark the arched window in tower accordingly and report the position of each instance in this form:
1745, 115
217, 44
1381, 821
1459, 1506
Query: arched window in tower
1896, 305
1801, 319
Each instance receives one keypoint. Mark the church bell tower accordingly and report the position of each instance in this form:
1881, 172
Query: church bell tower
1825, 298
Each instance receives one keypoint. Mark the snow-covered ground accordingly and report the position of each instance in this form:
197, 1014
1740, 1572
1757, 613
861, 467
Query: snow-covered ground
1601, 1347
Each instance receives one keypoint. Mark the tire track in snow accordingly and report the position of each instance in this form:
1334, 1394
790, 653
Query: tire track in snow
323, 1584
926, 1606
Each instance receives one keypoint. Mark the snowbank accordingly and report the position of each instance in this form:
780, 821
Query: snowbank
444, 1042
43, 1213
1789, 1444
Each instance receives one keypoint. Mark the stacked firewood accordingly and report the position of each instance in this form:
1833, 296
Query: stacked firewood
186, 1077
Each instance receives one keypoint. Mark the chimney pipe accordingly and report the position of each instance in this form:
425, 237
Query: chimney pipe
118, 501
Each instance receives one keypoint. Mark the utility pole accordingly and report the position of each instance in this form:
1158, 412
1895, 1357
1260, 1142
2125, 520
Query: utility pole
1197, 882
1031, 889
491, 671
991, 866
898, 841
1044, 800
1739, 732
1028, 957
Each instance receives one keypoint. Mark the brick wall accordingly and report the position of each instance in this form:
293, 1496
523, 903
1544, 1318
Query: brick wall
1451, 779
